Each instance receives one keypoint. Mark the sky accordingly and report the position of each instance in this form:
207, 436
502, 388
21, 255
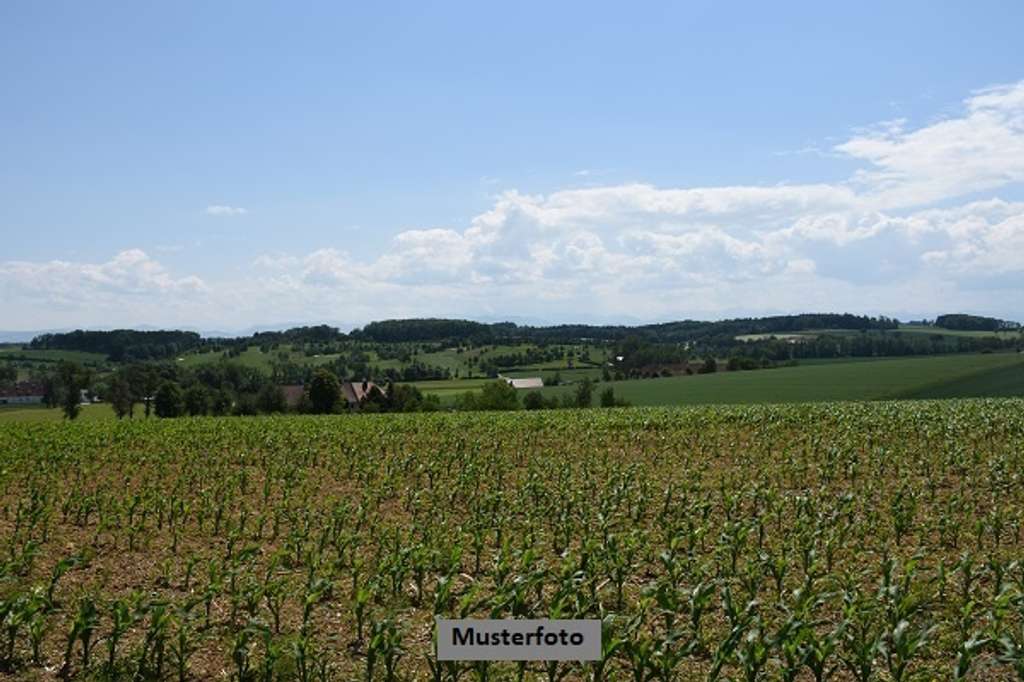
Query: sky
230, 165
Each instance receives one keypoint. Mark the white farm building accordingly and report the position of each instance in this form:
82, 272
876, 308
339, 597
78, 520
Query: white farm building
526, 382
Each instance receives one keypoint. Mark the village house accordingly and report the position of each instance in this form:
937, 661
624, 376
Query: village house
22, 393
293, 395
355, 392
352, 392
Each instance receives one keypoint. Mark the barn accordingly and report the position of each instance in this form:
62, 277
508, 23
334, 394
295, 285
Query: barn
526, 382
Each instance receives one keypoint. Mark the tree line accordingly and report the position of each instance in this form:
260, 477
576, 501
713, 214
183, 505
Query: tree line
961, 322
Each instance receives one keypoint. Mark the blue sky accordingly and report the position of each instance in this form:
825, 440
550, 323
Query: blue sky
221, 165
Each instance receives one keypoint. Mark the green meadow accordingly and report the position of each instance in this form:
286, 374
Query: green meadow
916, 377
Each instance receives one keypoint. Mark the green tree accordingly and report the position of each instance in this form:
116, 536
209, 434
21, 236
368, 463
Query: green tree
197, 400
144, 380
168, 401
119, 393
271, 400
73, 379
324, 391
245, 405
220, 402
495, 395
498, 395
709, 366
533, 401
584, 393
403, 398
51, 390
608, 399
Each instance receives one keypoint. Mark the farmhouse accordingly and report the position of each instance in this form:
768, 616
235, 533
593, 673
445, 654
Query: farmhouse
87, 397
355, 392
527, 382
293, 394
22, 393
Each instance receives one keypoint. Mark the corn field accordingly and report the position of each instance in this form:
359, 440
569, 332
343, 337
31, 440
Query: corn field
829, 542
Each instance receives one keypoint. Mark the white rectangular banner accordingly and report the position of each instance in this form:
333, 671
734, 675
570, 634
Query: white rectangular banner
518, 640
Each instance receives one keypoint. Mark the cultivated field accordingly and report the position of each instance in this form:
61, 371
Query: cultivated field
946, 376
836, 541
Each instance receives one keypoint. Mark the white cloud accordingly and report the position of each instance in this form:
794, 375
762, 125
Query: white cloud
980, 150
891, 239
130, 288
221, 210
130, 272
276, 261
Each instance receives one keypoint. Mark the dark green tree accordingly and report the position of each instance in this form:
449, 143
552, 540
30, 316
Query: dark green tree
271, 400
197, 400
324, 391
168, 401
608, 399
119, 394
220, 402
534, 401
73, 379
51, 390
709, 366
584, 393
144, 380
495, 395
245, 405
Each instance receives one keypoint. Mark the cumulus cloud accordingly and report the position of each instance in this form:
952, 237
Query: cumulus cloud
879, 227
126, 289
229, 211
890, 239
129, 273
979, 150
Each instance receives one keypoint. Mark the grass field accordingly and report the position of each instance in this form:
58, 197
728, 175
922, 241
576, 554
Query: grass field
996, 382
869, 541
15, 352
903, 328
564, 374
450, 388
794, 336
922, 329
37, 413
866, 380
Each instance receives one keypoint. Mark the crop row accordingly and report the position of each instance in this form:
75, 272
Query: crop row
837, 541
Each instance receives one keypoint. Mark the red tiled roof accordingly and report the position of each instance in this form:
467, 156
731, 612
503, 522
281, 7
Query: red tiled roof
22, 389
